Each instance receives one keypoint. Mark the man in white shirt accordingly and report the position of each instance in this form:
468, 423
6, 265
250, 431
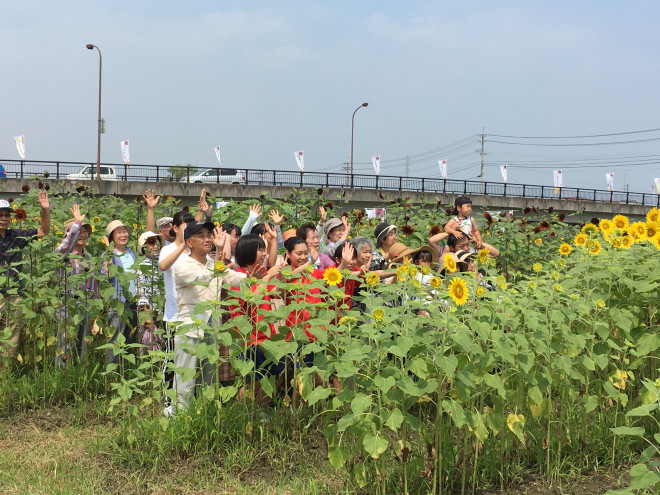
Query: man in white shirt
196, 327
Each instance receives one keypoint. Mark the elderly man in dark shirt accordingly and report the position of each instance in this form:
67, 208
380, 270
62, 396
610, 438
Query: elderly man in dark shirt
12, 242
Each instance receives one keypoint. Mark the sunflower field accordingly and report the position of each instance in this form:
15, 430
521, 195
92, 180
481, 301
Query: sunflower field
548, 363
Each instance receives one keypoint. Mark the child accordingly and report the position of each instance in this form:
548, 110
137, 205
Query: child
463, 224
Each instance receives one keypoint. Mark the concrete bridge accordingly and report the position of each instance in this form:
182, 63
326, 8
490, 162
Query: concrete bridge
353, 197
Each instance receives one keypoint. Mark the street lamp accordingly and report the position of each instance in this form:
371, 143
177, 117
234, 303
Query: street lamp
352, 128
89, 46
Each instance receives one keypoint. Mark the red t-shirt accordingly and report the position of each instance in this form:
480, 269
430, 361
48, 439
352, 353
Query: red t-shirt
307, 295
251, 309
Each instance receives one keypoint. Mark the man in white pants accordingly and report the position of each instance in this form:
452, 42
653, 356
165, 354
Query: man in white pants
189, 271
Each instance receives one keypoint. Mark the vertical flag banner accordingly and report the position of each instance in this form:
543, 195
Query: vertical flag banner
558, 180
503, 170
124, 152
656, 181
20, 146
443, 168
376, 161
217, 154
610, 182
300, 160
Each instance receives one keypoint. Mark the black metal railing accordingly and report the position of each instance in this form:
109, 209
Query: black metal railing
294, 178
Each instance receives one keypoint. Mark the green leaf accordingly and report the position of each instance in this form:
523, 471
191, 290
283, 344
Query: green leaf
447, 364
418, 366
375, 445
384, 384
394, 420
646, 344
642, 478
456, 412
337, 456
634, 431
319, 393
360, 403
642, 410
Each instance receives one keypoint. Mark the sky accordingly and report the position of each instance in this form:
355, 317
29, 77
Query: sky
263, 79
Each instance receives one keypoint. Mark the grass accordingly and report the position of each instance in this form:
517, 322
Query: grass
61, 451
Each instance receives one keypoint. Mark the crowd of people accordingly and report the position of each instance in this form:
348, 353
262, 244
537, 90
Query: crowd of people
189, 259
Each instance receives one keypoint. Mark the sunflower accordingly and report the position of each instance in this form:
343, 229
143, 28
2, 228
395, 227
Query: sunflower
600, 303
332, 276
620, 222
412, 270
565, 249
25, 188
616, 242
378, 314
595, 248
96, 220
538, 240
606, 226
372, 279
589, 229
407, 230
483, 255
561, 262
580, 240
626, 242
537, 267
480, 291
435, 230
638, 230
219, 266
345, 320
531, 285
558, 288
21, 214
652, 230
653, 215
545, 225
435, 282
402, 273
426, 270
458, 291
450, 264
656, 242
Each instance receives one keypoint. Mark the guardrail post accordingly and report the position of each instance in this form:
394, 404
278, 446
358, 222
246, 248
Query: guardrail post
125, 172
485, 188
464, 187
578, 193
444, 186
523, 194
301, 178
188, 174
57, 170
594, 195
560, 192
612, 195
542, 189
422, 183
627, 197
400, 183
157, 173
274, 178
505, 189
22, 162
327, 179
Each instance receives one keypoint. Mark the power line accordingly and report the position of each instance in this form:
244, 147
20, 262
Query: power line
577, 137
574, 144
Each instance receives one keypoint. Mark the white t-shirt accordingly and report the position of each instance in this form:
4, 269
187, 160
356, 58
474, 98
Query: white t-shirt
168, 277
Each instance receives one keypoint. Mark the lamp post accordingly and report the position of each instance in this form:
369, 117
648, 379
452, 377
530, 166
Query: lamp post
352, 129
89, 46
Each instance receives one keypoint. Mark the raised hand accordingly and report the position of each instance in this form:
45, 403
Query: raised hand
271, 233
75, 210
276, 217
256, 208
150, 199
314, 254
43, 200
323, 213
219, 239
257, 272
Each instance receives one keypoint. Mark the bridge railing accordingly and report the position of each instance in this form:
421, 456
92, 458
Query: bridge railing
295, 178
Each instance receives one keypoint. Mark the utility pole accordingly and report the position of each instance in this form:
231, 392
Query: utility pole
482, 153
346, 168
407, 166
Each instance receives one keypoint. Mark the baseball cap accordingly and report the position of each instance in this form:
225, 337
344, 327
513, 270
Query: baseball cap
194, 227
148, 235
163, 221
4, 205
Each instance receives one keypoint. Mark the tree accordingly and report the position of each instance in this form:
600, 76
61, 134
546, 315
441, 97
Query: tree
180, 171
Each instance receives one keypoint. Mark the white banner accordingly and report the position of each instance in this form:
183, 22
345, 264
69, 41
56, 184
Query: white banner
657, 184
558, 178
300, 160
221, 204
217, 153
610, 181
375, 212
503, 170
443, 168
20, 146
376, 161
124, 152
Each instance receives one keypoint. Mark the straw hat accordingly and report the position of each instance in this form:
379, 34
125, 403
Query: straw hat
69, 223
114, 225
399, 251
148, 235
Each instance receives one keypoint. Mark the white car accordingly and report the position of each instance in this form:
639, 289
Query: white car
217, 175
89, 173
